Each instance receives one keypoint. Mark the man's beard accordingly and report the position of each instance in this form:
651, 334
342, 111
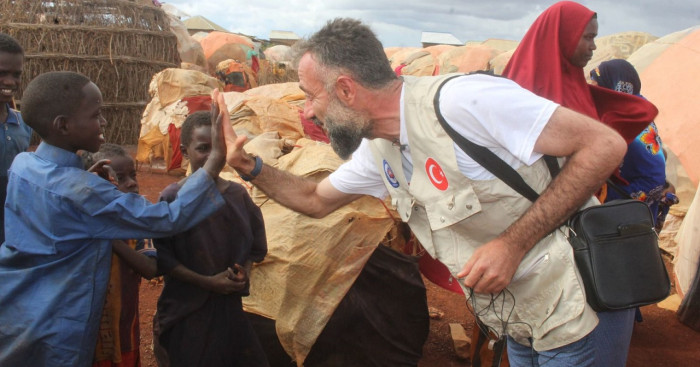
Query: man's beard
346, 128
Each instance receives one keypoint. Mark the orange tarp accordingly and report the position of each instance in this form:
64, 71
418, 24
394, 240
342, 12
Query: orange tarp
214, 40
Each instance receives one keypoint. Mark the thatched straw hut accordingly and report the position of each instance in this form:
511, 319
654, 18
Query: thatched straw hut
119, 44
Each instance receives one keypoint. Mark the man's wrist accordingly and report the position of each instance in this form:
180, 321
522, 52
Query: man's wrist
256, 169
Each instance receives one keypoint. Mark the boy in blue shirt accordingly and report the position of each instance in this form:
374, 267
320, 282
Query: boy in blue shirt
54, 265
14, 133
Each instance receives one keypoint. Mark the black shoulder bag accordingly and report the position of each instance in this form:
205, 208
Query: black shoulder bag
615, 246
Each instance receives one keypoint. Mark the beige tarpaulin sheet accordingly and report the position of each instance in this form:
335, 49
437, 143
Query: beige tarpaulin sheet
311, 263
670, 76
419, 63
390, 51
174, 84
686, 262
167, 88
278, 53
499, 62
685, 190
617, 46
465, 59
671, 80
398, 56
500, 44
266, 108
189, 49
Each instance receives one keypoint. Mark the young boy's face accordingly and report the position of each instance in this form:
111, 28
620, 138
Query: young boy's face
85, 127
199, 148
10, 73
125, 170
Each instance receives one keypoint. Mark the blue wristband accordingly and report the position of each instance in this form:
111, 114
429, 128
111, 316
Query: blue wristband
256, 170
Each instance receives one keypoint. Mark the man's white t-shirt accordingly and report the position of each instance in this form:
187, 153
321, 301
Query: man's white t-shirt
490, 111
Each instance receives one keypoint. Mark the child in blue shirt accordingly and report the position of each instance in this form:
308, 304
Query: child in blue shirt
54, 264
14, 133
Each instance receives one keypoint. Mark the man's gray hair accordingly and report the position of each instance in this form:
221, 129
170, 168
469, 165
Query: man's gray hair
346, 46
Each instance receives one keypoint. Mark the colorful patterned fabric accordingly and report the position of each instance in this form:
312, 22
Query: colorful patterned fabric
119, 338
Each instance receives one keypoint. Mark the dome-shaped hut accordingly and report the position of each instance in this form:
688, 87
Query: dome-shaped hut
118, 44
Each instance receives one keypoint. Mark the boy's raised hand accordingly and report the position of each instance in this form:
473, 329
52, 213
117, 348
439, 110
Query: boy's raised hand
236, 156
227, 147
219, 117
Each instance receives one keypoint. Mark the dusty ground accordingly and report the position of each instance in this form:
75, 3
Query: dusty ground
659, 341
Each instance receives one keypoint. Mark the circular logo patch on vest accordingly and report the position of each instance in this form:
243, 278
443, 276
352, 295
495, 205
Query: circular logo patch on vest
390, 174
436, 175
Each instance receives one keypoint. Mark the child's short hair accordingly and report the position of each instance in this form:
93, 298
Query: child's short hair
194, 120
50, 95
107, 151
10, 45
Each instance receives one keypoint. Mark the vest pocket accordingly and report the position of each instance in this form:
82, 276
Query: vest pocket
452, 208
553, 295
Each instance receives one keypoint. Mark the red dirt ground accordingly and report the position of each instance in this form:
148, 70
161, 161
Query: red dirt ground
661, 340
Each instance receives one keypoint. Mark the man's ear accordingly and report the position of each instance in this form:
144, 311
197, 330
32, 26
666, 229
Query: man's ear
346, 89
60, 125
183, 150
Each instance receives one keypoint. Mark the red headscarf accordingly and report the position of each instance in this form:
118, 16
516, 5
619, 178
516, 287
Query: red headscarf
541, 64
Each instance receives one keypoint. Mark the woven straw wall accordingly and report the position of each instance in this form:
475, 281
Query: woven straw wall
118, 44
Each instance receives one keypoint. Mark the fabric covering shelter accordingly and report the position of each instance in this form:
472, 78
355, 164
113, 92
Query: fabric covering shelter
214, 40
617, 46
178, 92
687, 266
190, 50
390, 51
398, 56
311, 263
669, 74
278, 53
170, 91
499, 62
420, 63
220, 46
426, 61
465, 59
668, 68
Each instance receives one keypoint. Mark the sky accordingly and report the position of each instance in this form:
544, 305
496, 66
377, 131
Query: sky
400, 23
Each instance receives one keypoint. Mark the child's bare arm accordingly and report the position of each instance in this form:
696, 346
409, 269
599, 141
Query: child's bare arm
142, 264
219, 116
225, 282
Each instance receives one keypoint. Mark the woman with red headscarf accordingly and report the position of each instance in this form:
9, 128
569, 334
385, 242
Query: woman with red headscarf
549, 62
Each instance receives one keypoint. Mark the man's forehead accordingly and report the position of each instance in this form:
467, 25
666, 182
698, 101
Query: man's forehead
308, 73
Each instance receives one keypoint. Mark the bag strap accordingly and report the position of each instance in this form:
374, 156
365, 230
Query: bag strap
619, 189
488, 159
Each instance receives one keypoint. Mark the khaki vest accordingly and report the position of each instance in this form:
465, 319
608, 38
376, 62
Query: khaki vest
452, 215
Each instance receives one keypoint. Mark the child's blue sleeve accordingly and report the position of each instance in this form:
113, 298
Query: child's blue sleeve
109, 213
